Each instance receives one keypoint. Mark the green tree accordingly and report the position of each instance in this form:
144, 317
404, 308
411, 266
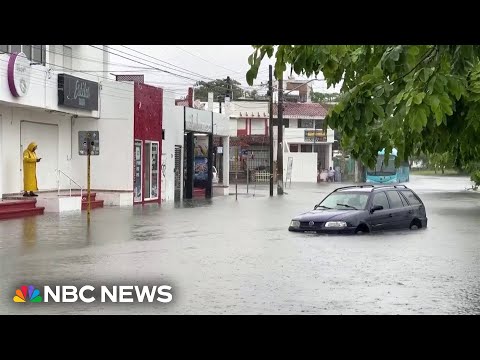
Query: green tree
416, 98
218, 87
440, 161
319, 97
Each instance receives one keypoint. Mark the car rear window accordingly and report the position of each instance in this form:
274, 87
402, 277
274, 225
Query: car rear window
411, 197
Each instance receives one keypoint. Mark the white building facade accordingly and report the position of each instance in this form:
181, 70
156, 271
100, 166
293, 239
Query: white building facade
43, 100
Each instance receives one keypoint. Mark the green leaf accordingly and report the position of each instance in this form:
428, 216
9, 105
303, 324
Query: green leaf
368, 113
250, 60
418, 98
399, 97
379, 101
423, 113
388, 87
438, 116
368, 78
377, 72
413, 50
339, 107
433, 101
379, 92
409, 101
270, 51
378, 110
251, 75
390, 108
395, 54
426, 74
431, 84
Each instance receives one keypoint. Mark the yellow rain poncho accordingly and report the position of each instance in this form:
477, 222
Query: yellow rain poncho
30, 168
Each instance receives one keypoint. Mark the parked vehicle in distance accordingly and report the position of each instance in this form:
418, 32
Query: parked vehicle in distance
389, 174
364, 209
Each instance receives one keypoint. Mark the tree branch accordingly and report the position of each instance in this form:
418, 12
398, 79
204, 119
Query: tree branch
427, 54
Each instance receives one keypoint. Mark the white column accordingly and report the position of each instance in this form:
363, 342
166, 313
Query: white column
226, 160
210, 101
330, 156
2, 171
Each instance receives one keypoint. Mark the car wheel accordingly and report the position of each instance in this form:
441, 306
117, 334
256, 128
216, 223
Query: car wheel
416, 224
362, 229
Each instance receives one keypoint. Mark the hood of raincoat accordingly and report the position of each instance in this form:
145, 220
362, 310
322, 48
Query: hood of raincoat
31, 146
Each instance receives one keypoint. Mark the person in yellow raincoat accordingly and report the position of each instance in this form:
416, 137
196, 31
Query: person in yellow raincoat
30, 170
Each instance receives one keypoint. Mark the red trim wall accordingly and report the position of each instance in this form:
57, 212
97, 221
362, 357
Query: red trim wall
148, 116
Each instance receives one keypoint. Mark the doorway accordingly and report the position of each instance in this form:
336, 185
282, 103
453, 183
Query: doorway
151, 170
46, 137
138, 170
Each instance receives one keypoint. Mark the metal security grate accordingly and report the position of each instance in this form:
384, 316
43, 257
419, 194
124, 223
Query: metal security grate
178, 172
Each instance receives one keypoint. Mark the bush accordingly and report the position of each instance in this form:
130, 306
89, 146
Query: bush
475, 177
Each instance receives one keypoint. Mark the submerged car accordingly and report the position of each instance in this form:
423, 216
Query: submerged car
363, 209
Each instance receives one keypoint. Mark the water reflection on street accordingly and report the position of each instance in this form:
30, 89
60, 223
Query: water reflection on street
236, 257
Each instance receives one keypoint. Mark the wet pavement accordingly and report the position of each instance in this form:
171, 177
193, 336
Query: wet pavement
223, 256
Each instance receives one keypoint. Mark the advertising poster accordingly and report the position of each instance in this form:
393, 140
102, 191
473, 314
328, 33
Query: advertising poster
201, 162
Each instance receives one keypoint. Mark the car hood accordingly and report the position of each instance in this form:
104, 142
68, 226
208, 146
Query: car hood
327, 215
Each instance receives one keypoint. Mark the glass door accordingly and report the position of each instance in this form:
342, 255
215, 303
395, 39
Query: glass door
151, 170
148, 166
154, 179
137, 166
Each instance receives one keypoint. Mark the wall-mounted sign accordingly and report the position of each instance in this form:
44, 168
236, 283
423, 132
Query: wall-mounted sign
315, 136
77, 93
88, 141
198, 120
19, 71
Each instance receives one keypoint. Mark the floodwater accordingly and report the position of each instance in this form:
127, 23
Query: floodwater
223, 256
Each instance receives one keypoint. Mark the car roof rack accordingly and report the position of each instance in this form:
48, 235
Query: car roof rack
370, 186
391, 186
353, 187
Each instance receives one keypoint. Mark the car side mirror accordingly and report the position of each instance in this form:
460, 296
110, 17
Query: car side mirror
375, 208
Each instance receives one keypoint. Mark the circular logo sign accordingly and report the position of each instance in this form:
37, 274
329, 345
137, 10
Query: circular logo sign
19, 74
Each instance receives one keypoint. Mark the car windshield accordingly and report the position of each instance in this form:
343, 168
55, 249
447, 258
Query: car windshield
381, 168
345, 201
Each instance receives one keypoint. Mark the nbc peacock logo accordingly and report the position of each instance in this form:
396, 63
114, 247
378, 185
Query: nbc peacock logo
27, 293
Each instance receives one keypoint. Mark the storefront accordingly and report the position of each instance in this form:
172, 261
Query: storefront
148, 114
198, 144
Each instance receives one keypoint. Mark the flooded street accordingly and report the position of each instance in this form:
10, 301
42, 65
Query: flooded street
223, 256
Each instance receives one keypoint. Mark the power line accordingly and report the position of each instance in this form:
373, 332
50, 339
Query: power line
198, 56
162, 70
184, 70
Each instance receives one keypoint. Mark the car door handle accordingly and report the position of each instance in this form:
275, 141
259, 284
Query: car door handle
390, 215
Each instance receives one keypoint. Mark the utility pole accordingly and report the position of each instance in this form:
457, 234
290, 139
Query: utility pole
219, 103
88, 183
270, 125
280, 139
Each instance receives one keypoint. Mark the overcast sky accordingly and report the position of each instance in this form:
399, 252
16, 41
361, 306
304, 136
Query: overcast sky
194, 62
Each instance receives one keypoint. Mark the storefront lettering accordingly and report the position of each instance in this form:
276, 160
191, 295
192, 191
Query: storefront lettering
81, 90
